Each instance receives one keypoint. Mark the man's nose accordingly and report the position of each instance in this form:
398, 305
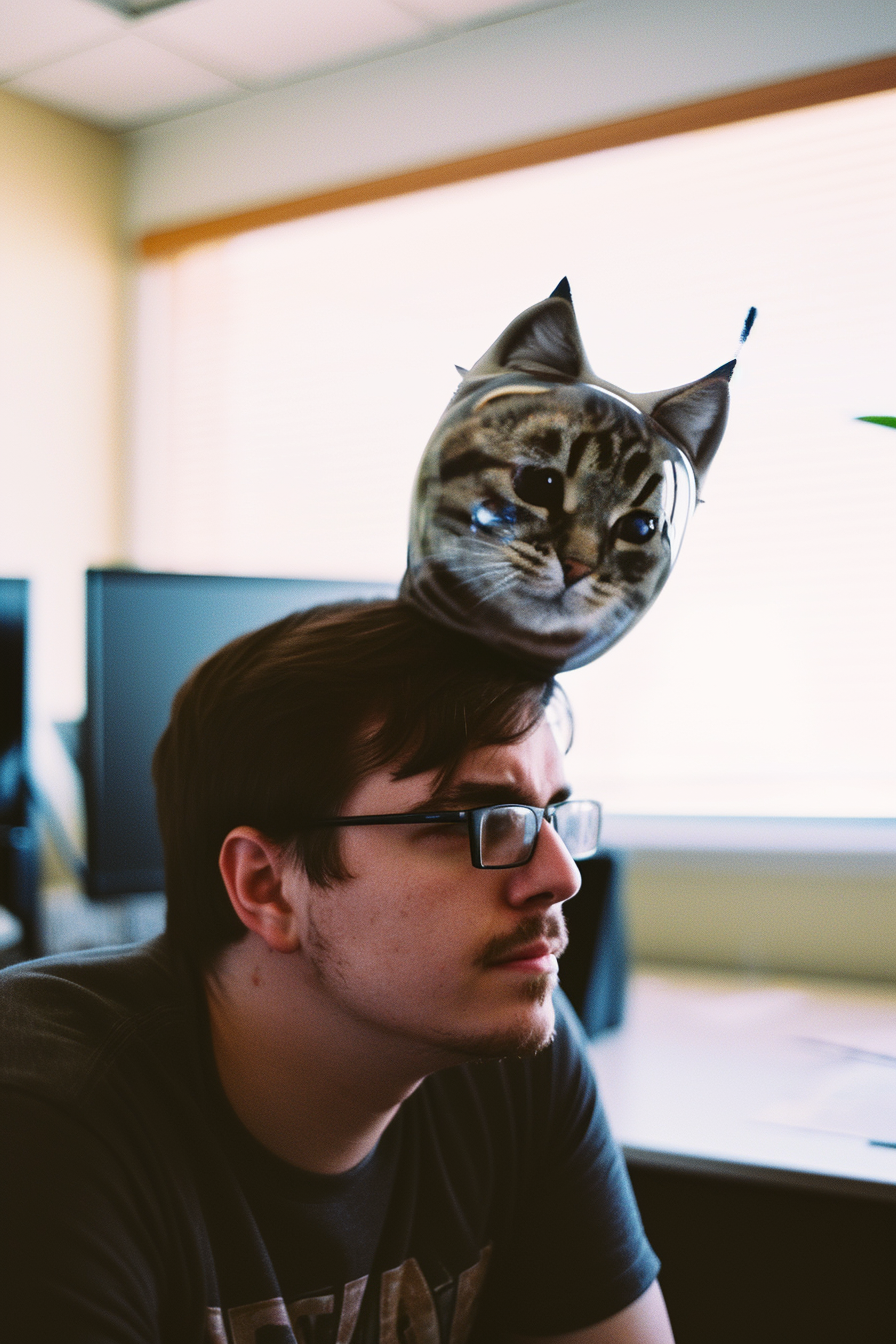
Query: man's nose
550, 876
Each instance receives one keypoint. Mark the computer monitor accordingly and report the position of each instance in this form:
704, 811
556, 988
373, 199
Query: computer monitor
17, 851
13, 610
145, 634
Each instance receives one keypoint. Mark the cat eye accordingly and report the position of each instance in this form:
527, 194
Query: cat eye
493, 514
636, 528
542, 486
503, 835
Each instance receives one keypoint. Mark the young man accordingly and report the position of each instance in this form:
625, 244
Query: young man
338, 1101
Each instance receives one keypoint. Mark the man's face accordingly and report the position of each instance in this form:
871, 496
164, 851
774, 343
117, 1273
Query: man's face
451, 960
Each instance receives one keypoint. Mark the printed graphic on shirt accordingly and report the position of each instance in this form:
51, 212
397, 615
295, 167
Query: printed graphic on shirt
410, 1310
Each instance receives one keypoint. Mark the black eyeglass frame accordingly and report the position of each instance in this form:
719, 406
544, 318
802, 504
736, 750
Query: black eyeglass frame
474, 817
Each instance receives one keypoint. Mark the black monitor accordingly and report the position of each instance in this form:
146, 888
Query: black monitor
16, 840
145, 634
13, 609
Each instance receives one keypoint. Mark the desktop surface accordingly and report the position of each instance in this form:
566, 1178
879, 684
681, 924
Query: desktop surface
783, 1079
746, 1109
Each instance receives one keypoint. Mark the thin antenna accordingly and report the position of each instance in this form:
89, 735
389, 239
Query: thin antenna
745, 331
748, 325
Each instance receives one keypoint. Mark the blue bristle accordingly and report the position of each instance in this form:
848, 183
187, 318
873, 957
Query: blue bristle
748, 325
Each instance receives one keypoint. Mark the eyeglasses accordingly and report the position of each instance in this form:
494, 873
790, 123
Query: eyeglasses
505, 834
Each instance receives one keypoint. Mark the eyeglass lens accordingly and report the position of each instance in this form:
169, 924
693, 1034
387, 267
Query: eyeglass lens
578, 825
506, 835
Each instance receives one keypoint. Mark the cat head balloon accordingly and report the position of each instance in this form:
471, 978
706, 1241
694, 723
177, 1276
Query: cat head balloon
550, 505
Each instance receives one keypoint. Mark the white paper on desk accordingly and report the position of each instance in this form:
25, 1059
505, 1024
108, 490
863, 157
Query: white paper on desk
872, 1036
856, 1098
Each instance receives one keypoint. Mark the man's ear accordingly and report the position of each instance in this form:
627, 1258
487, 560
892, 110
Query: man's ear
259, 881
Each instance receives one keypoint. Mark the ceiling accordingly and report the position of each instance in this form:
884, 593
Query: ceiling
88, 60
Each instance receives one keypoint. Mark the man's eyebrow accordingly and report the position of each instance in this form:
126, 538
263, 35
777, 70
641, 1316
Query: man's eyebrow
465, 793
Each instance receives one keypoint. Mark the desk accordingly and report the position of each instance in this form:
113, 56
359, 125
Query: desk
774, 1216
713, 1069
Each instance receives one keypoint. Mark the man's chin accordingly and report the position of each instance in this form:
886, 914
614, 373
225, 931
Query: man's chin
531, 1031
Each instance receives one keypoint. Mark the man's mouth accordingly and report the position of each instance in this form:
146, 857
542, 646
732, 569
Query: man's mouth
535, 944
539, 957
533, 948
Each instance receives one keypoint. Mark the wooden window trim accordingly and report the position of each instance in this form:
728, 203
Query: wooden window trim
825, 87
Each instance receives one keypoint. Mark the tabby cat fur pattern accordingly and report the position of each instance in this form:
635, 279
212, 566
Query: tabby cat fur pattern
550, 505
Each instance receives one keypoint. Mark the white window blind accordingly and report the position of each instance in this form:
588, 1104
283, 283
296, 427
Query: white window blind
288, 379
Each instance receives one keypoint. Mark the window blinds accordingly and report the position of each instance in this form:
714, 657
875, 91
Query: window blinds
287, 380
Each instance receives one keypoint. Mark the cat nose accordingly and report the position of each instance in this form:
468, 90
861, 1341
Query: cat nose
573, 570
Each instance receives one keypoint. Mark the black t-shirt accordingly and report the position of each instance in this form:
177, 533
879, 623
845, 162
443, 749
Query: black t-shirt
138, 1210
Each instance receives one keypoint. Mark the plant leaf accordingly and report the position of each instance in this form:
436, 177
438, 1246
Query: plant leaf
888, 420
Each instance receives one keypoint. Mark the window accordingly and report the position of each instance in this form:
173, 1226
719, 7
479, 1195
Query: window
289, 378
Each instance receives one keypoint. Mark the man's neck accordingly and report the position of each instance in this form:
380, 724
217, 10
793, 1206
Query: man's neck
316, 1089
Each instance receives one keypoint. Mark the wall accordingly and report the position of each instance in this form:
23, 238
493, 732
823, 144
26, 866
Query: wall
806, 913
522, 79
61, 276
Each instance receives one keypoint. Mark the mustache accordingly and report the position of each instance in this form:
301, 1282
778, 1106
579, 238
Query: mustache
550, 926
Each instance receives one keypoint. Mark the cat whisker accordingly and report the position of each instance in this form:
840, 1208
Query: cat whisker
495, 590
489, 554
491, 590
481, 567
470, 567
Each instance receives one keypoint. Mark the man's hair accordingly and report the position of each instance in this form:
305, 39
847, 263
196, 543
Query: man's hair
281, 725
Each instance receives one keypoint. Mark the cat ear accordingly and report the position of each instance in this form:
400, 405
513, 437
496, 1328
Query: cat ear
694, 415
543, 341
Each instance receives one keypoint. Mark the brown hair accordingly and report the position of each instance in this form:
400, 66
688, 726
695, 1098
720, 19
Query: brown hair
280, 726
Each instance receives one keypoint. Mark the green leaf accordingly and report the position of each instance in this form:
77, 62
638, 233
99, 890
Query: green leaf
888, 420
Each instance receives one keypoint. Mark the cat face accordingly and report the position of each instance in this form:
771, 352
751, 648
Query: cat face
549, 507
547, 520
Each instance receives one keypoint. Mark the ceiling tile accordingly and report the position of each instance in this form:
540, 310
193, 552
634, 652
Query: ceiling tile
33, 32
123, 83
270, 40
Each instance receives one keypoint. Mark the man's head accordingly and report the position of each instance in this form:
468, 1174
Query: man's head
419, 951
284, 724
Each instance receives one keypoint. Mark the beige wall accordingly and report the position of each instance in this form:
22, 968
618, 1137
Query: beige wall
61, 284
811, 914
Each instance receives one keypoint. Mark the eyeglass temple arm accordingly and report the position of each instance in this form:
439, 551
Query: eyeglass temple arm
396, 818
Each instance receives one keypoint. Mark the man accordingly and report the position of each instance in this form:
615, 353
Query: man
337, 1101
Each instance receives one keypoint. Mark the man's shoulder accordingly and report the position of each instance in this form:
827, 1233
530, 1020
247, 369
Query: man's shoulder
65, 1019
